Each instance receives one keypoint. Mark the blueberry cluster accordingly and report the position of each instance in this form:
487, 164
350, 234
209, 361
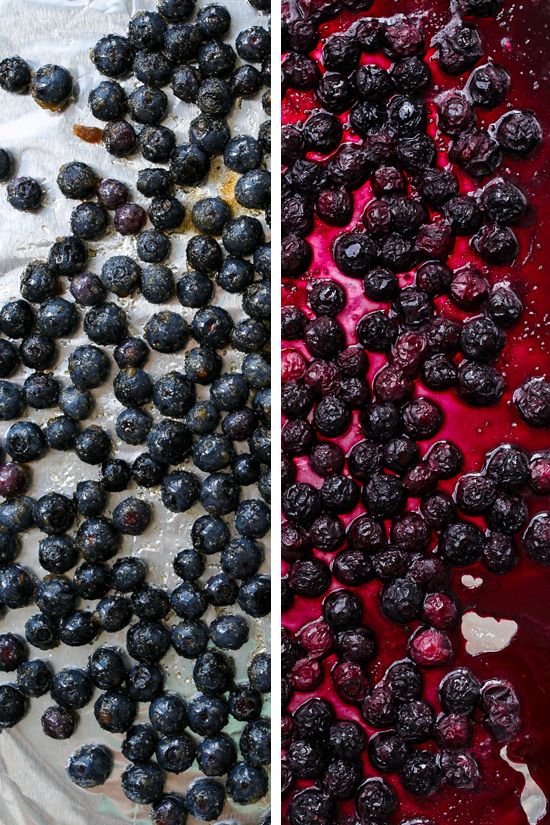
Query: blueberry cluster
377, 516
203, 414
418, 210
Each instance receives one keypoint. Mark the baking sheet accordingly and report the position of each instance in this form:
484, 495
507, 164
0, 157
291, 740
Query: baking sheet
34, 789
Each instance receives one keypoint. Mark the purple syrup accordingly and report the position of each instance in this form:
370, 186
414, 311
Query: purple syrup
517, 41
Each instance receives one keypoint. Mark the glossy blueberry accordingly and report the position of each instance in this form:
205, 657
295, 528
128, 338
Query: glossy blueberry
207, 715
147, 641
145, 681
15, 74
143, 784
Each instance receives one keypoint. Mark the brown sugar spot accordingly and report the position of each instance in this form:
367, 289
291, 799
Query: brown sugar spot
91, 134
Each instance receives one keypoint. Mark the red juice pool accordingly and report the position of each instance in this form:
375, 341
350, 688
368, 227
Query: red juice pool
519, 40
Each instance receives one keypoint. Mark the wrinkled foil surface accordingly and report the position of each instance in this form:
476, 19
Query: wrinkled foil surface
34, 788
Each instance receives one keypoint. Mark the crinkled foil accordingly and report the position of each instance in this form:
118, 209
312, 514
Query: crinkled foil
34, 788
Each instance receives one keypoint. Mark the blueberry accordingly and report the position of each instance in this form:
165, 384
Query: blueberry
245, 703
194, 289
13, 706
211, 134
207, 715
211, 327
15, 74
189, 164
139, 744
532, 401
37, 351
58, 723
108, 101
57, 554
152, 68
185, 83
52, 86
171, 809
90, 498
202, 418
113, 613
132, 426
205, 799
72, 688
24, 194
97, 540
246, 784
113, 55
189, 638
156, 143
246, 81
77, 180
87, 289
129, 219
12, 401
115, 475
119, 138
93, 445
143, 784
255, 596
488, 85
182, 42
147, 641
202, 364
13, 652
154, 182
106, 324
518, 132
17, 515
145, 681
90, 766
221, 590
421, 773
131, 516
41, 631
157, 281
166, 332
242, 154
146, 31
229, 632
41, 390
106, 668
115, 711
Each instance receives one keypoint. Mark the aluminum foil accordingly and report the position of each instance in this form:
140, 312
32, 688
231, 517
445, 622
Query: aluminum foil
34, 788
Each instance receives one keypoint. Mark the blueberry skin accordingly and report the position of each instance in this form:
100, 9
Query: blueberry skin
9, 358
173, 394
245, 703
212, 453
58, 723
252, 518
176, 753
146, 30
166, 332
106, 668
72, 688
188, 601
189, 564
168, 441
234, 275
41, 632
12, 401
67, 256
253, 189
205, 799
147, 105
171, 809
128, 574
194, 289
9, 547
208, 715
189, 164
13, 652
132, 516
179, 491
157, 284
229, 392
15, 75
242, 154
256, 371
57, 554
139, 744
89, 367
202, 365
168, 713
189, 638
89, 221
210, 534
154, 182
90, 766
80, 628
24, 194
259, 672
216, 755
17, 515
90, 498
213, 673
13, 706
241, 236
113, 613
145, 682
61, 433
108, 101
255, 742
255, 596
156, 143
113, 55
202, 418
219, 494
121, 275
153, 247
147, 641
229, 632
246, 784
75, 403
242, 558
93, 445
106, 324
210, 214
132, 426
221, 590
115, 711
211, 134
